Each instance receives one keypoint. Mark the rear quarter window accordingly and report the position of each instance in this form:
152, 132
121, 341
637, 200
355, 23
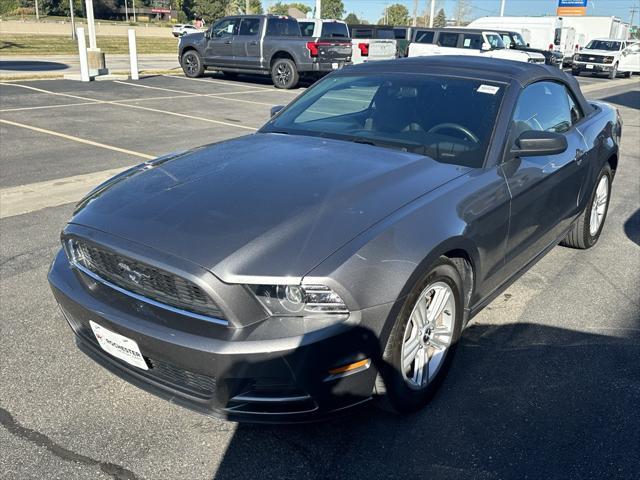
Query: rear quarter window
306, 28
424, 37
448, 40
334, 30
283, 27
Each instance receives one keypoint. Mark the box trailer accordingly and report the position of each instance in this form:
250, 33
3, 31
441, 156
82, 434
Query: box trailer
589, 27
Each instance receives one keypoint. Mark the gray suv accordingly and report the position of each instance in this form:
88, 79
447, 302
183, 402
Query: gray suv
262, 44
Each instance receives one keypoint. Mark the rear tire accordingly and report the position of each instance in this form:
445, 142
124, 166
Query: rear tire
586, 231
440, 294
192, 64
284, 73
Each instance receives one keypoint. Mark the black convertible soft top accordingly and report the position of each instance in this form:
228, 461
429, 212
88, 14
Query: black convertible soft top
499, 70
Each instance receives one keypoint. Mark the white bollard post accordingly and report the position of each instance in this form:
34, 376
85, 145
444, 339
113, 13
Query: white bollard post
133, 55
82, 51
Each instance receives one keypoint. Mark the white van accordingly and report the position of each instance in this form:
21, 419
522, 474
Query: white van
544, 33
466, 41
590, 27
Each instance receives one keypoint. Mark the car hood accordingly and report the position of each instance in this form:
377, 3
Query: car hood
264, 205
606, 53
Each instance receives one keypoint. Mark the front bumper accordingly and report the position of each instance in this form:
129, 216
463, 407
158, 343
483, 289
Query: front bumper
592, 67
255, 373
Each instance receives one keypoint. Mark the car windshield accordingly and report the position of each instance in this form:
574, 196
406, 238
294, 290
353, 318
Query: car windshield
428, 115
603, 45
494, 40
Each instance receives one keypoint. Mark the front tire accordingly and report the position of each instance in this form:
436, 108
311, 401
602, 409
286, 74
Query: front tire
284, 73
192, 64
422, 341
575, 71
586, 231
614, 72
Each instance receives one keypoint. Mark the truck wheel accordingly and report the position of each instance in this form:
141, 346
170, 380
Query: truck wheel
627, 74
284, 73
192, 65
614, 72
586, 231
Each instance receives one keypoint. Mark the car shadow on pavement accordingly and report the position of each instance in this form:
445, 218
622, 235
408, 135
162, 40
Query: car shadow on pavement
630, 99
32, 66
248, 78
521, 400
632, 227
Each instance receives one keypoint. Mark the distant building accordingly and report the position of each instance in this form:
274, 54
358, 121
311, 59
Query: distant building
147, 14
296, 13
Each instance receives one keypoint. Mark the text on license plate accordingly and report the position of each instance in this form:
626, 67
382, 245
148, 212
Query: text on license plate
589, 67
119, 346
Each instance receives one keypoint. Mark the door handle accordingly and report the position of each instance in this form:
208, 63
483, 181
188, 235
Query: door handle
579, 156
227, 42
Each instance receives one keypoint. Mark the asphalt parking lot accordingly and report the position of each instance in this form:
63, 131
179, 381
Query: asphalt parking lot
546, 383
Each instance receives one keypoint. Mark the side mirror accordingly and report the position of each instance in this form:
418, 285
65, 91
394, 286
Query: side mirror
533, 143
276, 109
485, 47
528, 44
207, 34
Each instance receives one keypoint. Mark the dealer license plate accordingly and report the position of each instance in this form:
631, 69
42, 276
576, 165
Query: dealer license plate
589, 67
119, 346
335, 66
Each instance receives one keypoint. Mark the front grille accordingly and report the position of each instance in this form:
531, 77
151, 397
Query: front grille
591, 58
163, 372
142, 279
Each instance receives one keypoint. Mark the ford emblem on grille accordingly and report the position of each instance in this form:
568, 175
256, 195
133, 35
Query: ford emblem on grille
133, 275
592, 58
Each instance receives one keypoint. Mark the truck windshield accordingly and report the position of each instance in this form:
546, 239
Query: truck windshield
423, 114
603, 45
334, 30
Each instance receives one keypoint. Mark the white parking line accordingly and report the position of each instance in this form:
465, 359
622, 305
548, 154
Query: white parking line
52, 193
48, 91
78, 139
153, 88
267, 89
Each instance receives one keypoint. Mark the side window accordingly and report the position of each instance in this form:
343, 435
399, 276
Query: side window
250, 26
226, 27
448, 40
542, 106
282, 27
472, 41
307, 28
424, 37
506, 39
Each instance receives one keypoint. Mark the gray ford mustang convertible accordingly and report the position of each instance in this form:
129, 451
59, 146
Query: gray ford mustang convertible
335, 256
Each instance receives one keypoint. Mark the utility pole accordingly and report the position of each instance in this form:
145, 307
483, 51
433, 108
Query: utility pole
433, 12
502, 8
73, 21
37, 12
415, 13
247, 7
133, 2
318, 8
126, 10
633, 14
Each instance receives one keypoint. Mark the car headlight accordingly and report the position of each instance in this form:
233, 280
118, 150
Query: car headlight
299, 300
576, 56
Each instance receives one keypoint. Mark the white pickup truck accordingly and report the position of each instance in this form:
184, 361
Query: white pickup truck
609, 56
373, 42
466, 41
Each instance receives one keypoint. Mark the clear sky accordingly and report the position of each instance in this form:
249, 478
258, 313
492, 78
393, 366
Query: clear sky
372, 9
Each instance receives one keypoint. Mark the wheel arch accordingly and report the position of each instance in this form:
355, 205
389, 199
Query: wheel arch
281, 54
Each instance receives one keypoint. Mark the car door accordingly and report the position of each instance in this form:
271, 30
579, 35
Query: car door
246, 45
545, 190
219, 50
630, 59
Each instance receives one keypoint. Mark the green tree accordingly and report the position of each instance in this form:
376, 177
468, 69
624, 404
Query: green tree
280, 8
240, 6
352, 19
441, 19
397, 14
333, 9
210, 10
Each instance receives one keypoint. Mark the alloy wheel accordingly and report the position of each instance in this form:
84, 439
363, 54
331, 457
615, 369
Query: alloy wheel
599, 206
428, 335
283, 74
191, 63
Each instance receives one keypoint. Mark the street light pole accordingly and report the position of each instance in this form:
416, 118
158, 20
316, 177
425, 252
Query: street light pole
133, 2
502, 8
433, 12
37, 12
91, 24
318, 8
126, 10
73, 21
415, 13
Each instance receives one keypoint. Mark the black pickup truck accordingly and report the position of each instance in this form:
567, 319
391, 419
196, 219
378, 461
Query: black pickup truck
262, 44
